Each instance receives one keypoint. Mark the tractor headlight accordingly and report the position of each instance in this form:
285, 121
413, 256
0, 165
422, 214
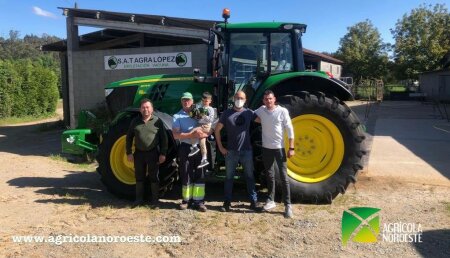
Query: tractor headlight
108, 91
71, 139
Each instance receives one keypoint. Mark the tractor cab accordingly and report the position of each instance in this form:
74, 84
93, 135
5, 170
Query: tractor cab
246, 54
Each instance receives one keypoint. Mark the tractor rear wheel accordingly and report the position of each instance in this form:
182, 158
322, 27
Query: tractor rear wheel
117, 172
328, 147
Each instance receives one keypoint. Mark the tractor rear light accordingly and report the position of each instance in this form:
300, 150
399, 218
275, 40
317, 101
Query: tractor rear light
108, 91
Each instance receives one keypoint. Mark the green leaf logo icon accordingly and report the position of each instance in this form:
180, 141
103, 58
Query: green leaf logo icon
360, 224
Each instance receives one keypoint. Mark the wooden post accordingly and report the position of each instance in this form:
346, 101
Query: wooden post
72, 45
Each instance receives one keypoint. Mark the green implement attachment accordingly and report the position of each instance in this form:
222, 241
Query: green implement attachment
74, 141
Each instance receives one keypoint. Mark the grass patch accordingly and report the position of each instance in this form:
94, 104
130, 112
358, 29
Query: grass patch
88, 167
58, 157
394, 88
346, 199
24, 119
81, 197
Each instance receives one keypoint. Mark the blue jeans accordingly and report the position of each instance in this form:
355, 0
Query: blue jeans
231, 162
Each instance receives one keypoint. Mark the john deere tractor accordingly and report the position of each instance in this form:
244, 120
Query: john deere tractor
252, 57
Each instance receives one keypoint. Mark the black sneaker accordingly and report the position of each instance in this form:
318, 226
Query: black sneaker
255, 207
194, 150
203, 163
226, 207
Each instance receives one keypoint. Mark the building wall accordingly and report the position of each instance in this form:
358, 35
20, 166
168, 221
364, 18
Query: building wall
436, 85
90, 75
334, 69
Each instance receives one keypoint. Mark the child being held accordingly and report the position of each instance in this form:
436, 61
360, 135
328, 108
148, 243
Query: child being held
205, 116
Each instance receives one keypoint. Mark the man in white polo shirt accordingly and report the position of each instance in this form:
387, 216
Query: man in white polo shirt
275, 120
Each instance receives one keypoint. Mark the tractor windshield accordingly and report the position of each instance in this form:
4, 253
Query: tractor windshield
248, 52
254, 55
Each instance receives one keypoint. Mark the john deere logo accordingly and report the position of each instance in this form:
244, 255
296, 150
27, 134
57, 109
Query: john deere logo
112, 62
181, 59
360, 224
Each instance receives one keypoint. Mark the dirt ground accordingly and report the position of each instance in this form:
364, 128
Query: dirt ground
41, 194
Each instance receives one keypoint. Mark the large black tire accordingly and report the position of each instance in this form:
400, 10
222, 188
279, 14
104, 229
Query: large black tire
348, 126
125, 186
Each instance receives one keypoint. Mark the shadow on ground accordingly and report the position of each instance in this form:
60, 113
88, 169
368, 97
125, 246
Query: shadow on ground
86, 188
435, 243
41, 139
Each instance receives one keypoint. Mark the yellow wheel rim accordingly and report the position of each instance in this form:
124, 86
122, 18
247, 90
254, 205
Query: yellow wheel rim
319, 149
120, 166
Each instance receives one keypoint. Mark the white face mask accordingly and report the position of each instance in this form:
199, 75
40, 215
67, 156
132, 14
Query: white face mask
239, 103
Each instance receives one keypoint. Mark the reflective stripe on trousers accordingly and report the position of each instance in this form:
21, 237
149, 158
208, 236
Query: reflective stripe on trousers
187, 191
198, 193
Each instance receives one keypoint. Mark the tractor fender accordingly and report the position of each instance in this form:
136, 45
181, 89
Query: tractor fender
295, 83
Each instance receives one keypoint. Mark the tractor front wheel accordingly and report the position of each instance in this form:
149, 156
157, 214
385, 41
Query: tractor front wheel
118, 173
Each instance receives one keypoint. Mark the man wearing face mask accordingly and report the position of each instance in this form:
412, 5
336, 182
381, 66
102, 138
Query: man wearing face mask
236, 122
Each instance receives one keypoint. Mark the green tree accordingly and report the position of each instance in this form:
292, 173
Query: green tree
28, 48
422, 38
363, 52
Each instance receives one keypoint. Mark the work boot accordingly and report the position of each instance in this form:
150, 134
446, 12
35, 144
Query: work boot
255, 206
155, 195
139, 194
183, 205
226, 206
194, 150
201, 207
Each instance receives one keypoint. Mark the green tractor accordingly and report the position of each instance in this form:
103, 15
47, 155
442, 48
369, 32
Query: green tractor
251, 57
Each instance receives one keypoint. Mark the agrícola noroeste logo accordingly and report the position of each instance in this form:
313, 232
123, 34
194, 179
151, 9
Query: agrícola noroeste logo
362, 225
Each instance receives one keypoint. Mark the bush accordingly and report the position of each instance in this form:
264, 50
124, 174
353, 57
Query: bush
27, 89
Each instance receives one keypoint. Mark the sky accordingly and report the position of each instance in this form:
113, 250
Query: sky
327, 20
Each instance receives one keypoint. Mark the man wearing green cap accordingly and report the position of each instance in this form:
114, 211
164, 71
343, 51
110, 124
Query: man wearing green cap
192, 178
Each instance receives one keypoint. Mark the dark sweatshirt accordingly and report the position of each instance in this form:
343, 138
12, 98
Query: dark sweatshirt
147, 136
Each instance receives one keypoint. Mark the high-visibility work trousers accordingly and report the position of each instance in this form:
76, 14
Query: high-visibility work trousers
192, 178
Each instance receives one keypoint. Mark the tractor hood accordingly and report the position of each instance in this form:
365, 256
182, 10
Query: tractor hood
160, 78
163, 90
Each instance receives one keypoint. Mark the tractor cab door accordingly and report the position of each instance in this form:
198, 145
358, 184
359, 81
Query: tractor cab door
255, 56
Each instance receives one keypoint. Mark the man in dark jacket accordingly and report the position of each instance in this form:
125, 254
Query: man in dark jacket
151, 147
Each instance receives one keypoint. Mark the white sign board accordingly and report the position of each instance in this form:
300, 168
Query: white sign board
149, 61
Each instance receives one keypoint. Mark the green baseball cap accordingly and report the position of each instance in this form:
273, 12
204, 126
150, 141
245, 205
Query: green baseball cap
187, 95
